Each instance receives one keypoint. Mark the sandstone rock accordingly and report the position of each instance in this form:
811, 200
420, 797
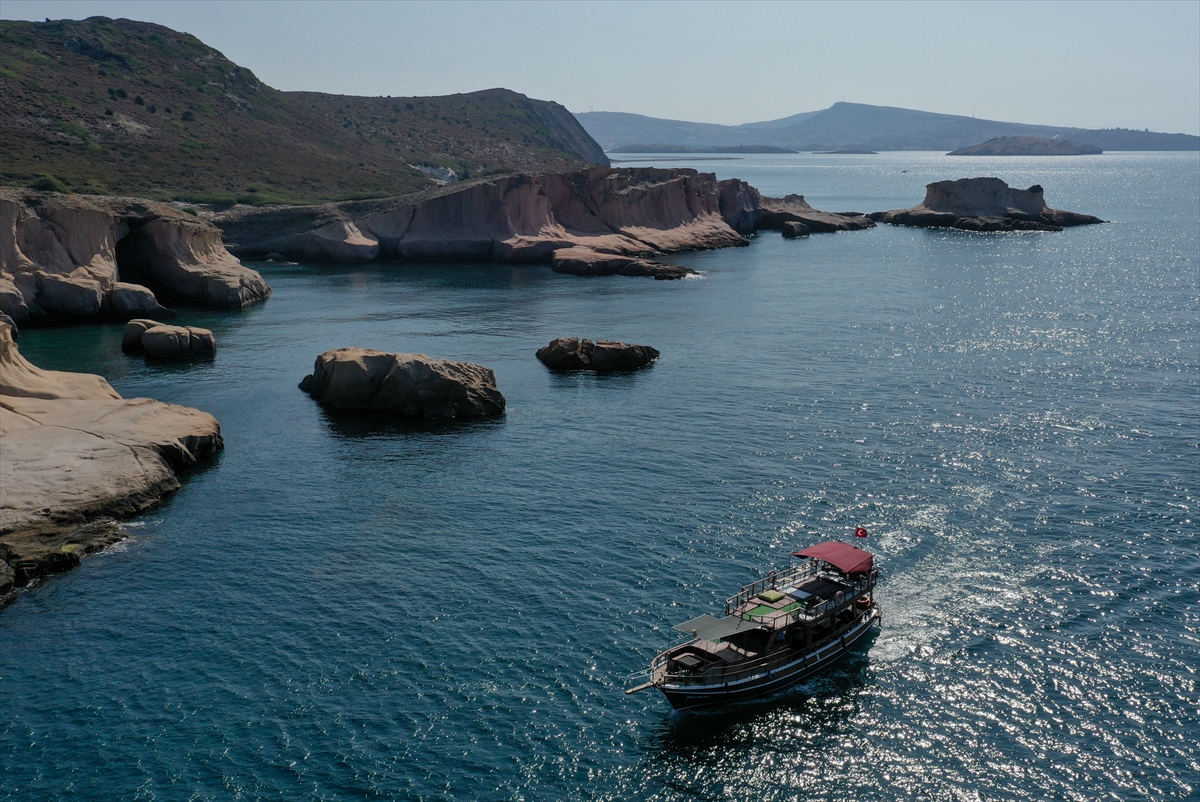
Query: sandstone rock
75, 450
774, 212
984, 204
55, 250
414, 385
43, 550
177, 342
8, 578
131, 300
73, 295
12, 302
21, 379
793, 229
131, 342
602, 356
586, 262
8, 321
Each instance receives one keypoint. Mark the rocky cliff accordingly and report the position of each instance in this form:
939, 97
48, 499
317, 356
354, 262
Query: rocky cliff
65, 257
635, 213
74, 450
984, 204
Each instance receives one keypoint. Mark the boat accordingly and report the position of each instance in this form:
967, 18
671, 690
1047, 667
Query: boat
776, 632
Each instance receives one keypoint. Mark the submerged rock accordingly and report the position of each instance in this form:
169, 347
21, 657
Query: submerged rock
984, 204
413, 385
602, 356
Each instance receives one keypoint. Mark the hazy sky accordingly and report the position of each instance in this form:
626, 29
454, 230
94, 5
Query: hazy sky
1091, 65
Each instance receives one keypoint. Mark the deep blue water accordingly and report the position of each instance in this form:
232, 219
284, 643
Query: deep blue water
339, 608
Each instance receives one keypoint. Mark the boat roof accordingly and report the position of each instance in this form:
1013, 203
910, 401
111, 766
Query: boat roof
709, 628
841, 556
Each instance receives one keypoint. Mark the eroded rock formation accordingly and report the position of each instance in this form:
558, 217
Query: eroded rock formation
70, 258
984, 204
413, 385
75, 451
746, 210
601, 356
160, 341
633, 216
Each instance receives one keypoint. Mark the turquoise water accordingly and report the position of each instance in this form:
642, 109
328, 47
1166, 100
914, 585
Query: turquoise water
339, 608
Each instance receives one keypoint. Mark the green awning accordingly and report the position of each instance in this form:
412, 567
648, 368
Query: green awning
710, 628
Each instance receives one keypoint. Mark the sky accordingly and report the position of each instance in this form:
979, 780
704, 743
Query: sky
1083, 64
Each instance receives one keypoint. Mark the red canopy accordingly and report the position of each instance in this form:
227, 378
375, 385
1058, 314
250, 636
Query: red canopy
842, 556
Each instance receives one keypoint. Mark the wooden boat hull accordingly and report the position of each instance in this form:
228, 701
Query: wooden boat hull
691, 697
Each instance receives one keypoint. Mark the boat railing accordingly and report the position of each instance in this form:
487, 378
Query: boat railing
720, 674
772, 581
843, 597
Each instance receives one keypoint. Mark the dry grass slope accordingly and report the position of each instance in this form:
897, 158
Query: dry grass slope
120, 107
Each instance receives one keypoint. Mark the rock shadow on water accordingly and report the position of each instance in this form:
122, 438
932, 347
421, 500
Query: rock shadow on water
361, 424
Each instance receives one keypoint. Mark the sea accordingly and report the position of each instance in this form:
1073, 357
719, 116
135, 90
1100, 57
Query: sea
350, 607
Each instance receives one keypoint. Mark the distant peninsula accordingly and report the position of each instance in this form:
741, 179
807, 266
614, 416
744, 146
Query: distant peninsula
1027, 146
847, 152
701, 149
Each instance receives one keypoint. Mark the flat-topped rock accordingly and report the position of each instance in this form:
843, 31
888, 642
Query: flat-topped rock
579, 261
601, 356
1027, 146
413, 385
984, 204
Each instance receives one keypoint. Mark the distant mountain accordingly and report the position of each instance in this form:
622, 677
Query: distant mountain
122, 107
857, 126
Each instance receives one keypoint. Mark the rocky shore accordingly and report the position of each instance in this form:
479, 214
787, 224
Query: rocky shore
75, 452
600, 221
984, 204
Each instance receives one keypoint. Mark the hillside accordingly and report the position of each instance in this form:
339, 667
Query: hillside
122, 107
857, 126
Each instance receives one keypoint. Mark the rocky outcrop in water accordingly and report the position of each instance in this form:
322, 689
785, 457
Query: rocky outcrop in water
75, 451
413, 385
795, 230
66, 258
746, 210
601, 356
984, 204
160, 341
580, 261
1027, 146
